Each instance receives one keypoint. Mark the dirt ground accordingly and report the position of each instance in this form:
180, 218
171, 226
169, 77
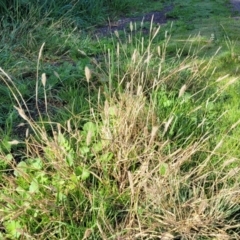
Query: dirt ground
159, 17
235, 5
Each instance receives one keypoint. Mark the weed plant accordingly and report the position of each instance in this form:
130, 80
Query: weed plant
144, 161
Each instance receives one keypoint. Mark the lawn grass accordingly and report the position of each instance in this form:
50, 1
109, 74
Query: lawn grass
130, 136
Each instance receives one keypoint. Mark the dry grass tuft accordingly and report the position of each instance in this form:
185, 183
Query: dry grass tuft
120, 175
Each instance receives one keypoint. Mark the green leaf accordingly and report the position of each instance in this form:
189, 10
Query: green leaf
5, 146
9, 157
90, 126
42, 177
61, 197
163, 169
37, 164
98, 147
49, 153
36, 212
34, 186
84, 150
85, 174
13, 228
186, 97
78, 171
70, 158
23, 193
5, 161
106, 157
74, 178
61, 139
82, 172
21, 169
112, 111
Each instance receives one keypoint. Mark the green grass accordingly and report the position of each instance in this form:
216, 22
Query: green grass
131, 136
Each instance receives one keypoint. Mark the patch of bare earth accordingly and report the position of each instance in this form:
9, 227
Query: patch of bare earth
235, 5
158, 17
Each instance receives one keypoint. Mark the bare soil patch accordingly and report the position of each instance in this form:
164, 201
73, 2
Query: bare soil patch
235, 5
158, 17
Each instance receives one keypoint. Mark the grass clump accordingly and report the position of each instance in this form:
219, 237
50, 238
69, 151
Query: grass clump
141, 162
